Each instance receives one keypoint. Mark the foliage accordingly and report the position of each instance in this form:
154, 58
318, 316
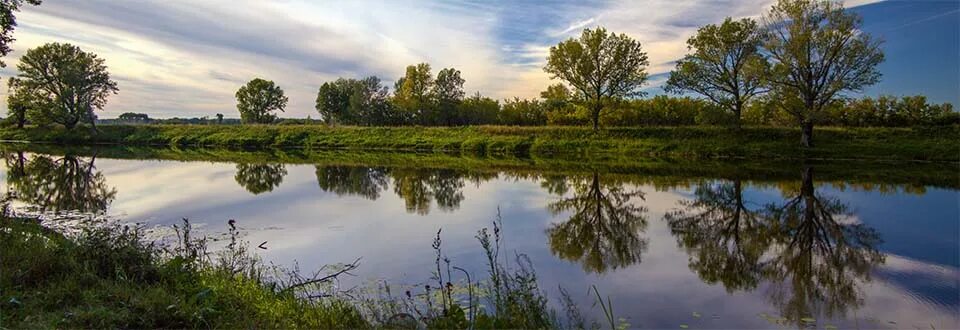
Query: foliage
817, 52
8, 21
725, 66
258, 100
478, 110
133, 116
662, 110
356, 102
412, 92
523, 112
603, 67
19, 102
66, 82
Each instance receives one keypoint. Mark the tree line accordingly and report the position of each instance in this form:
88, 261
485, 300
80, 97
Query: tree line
796, 66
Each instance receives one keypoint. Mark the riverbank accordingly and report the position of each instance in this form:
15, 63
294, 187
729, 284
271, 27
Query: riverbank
902, 144
108, 275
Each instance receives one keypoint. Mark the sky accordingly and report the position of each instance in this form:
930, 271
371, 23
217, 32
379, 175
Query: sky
188, 58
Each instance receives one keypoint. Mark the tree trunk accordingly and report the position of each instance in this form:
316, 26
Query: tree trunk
596, 118
806, 136
736, 112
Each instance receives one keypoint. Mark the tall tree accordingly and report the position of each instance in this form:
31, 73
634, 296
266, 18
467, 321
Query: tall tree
72, 82
8, 22
356, 102
817, 52
725, 65
19, 101
258, 100
333, 101
448, 93
603, 67
412, 91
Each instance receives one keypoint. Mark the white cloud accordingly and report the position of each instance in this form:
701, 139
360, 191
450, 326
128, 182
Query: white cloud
188, 58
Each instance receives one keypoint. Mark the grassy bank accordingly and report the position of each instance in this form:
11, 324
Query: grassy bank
914, 144
108, 275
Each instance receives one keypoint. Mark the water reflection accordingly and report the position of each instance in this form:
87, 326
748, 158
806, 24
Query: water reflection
418, 187
604, 229
58, 183
782, 238
810, 249
362, 181
260, 178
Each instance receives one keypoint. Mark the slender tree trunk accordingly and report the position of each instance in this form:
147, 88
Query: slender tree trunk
806, 135
596, 118
736, 112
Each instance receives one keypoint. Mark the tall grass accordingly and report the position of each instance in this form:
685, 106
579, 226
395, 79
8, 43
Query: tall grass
109, 275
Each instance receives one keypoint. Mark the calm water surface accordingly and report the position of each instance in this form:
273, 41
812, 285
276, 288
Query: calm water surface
739, 249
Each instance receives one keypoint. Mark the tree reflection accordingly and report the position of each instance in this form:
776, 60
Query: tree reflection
418, 187
722, 234
260, 178
822, 254
604, 230
352, 180
808, 247
66, 183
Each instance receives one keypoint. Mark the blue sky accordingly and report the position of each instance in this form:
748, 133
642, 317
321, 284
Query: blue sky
187, 58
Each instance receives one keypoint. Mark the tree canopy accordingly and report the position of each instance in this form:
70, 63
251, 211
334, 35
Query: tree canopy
8, 21
725, 65
817, 52
603, 67
69, 82
258, 100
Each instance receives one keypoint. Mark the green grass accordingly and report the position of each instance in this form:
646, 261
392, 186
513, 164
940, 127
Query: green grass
107, 275
913, 144
112, 278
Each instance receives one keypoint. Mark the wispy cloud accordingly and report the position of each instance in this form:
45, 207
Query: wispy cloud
178, 58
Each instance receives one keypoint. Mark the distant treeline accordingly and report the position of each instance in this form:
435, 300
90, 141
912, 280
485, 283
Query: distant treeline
365, 103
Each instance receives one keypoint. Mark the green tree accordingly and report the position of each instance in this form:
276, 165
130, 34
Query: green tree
219, 118
725, 65
448, 93
412, 91
333, 101
603, 67
71, 82
258, 100
134, 116
478, 110
19, 101
522, 112
8, 21
356, 102
817, 52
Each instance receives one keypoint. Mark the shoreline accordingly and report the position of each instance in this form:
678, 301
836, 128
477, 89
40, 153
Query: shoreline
928, 144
